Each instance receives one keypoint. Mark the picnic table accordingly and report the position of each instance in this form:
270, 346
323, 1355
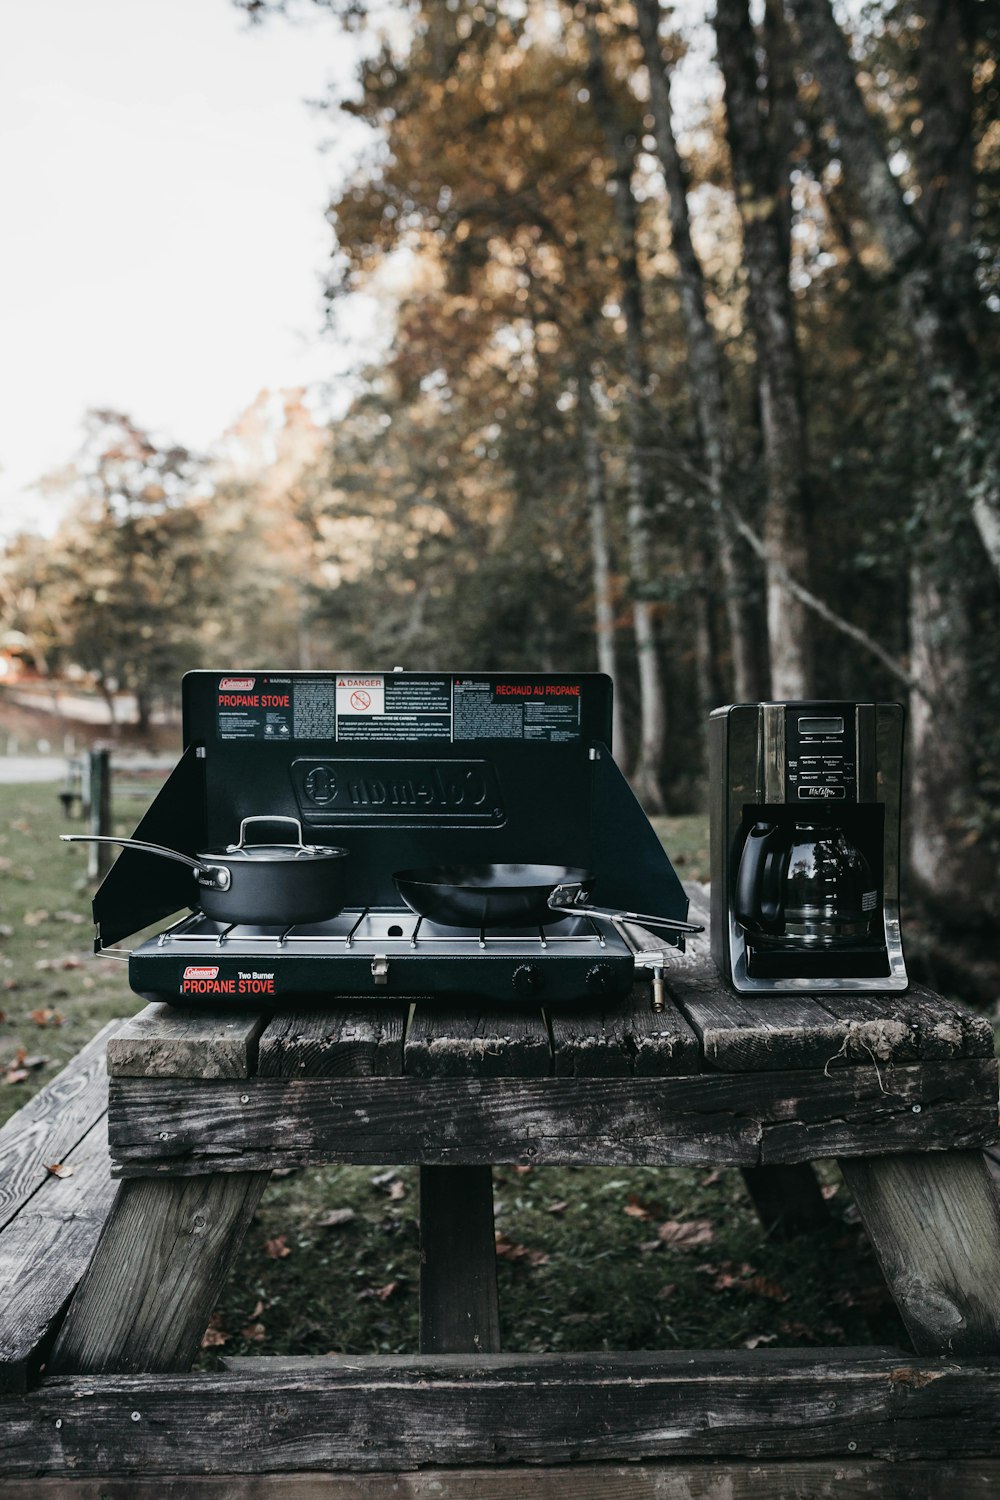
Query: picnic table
202, 1107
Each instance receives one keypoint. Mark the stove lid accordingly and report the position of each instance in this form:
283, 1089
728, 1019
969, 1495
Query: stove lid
403, 770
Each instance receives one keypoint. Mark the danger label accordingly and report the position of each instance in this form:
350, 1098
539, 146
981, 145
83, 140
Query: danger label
363, 696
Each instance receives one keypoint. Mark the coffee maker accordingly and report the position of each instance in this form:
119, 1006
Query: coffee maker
805, 846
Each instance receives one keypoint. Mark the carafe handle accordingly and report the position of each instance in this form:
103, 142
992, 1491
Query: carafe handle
760, 880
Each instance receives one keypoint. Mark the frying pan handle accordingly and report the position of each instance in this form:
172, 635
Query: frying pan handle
566, 898
300, 842
216, 877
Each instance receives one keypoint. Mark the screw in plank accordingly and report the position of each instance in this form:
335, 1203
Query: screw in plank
244, 1098
58, 1421
916, 1109
852, 1447
137, 1416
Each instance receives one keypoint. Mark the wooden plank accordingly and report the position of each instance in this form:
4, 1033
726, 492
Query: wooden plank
455, 1041
623, 1039
45, 1251
974, 1479
934, 1222
156, 1274
51, 1124
908, 1027
788, 1200
317, 1042
168, 1041
397, 1414
743, 1033
459, 1311
185, 1126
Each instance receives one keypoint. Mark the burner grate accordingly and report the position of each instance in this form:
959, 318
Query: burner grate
391, 926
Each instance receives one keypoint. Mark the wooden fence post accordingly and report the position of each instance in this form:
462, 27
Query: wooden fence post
99, 856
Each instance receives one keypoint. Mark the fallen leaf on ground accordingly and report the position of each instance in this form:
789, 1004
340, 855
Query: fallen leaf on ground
276, 1248
507, 1250
397, 1190
46, 1016
762, 1286
830, 1190
667, 1290
58, 1170
257, 1310
383, 1293
558, 1207
6, 930
254, 1333
337, 1217
15, 1075
35, 918
757, 1339
68, 961
69, 916
522, 1171
215, 1334
21, 825
686, 1234
635, 1208
712, 1178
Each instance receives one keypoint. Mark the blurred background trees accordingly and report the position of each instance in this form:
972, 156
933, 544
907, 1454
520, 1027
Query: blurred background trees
693, 379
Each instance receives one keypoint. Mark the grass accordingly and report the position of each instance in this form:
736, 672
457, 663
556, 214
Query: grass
331, 1261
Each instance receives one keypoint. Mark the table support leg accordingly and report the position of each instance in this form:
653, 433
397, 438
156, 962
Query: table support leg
934, 1220
145, 1300
788, 1199
459, 1311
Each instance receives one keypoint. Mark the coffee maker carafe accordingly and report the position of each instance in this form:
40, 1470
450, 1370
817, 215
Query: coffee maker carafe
805, 846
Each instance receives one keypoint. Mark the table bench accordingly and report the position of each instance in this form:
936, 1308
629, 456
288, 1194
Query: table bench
202, 1107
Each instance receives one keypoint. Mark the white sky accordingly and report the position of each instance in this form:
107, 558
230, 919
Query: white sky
162, 239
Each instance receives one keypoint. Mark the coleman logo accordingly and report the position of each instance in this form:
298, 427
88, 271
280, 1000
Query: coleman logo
201, 971
236, 684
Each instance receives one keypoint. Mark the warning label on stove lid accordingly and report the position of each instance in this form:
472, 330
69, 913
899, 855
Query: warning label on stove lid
498, 710
386, 708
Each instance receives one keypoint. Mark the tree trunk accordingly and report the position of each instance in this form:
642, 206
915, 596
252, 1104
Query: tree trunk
758, 176
704, 360
600, 552
925, 254
652, 690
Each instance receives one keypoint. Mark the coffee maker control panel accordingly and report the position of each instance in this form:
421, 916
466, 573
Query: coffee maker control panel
820, 762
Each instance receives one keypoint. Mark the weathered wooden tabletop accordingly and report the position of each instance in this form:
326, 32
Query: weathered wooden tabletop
713, 1079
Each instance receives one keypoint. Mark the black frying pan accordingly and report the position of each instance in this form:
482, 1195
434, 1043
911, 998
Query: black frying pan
510, 896
487, 895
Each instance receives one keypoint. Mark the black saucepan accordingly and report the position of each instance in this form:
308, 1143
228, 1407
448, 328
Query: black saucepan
511, 896
267, 884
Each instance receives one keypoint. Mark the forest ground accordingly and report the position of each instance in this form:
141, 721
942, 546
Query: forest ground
588, 1258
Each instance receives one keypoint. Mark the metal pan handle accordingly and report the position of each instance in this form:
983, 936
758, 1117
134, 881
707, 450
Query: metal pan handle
300, 842
563, 899
216, 877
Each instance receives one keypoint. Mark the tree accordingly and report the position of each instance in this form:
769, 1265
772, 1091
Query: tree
130, 578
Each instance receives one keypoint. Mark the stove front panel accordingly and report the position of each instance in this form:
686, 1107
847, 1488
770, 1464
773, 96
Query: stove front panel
387, 954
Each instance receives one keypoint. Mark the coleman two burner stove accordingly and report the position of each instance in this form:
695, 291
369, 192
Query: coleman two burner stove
399, 770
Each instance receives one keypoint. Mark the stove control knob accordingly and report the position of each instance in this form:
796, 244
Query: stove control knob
528, 979
600, 979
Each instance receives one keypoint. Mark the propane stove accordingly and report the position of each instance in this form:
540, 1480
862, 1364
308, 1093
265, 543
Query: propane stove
400, 769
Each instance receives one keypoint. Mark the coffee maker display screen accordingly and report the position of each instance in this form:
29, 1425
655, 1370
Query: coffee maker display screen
821, 726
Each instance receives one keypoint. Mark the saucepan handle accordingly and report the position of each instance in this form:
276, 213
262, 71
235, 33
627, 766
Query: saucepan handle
216, 877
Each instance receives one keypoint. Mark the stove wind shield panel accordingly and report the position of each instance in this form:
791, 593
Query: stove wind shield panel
403, 769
